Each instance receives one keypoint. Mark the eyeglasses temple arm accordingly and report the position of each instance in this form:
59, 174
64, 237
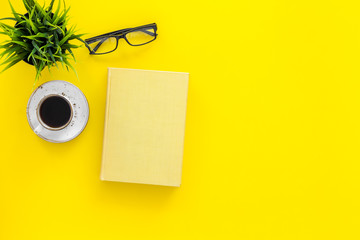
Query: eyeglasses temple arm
96, 38
148, 32
141, 28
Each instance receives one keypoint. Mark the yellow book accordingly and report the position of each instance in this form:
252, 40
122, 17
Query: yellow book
144, 126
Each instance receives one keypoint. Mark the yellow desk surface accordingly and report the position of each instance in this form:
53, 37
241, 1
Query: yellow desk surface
272, 130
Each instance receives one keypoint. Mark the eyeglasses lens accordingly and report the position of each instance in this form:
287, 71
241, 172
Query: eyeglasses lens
104, 45
141, 36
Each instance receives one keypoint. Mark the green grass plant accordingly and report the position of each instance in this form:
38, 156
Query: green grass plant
40, 36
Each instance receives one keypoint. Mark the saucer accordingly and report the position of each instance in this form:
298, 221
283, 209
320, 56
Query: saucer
77, 101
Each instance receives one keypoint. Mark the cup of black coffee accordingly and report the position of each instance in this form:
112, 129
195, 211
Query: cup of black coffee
57, 111
54, 112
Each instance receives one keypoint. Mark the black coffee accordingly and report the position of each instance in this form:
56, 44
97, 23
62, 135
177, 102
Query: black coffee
55, 112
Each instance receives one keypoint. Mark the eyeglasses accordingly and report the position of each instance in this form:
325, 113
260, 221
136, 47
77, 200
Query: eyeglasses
107, 43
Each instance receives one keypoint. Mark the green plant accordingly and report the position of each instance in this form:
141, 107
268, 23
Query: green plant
39, 37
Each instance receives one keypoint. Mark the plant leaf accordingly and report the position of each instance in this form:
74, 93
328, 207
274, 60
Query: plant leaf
16, 15
72, 68
13, 58
11, 64
51, 6
29, 4
52, 57
8, 19
6, 27
31, 23
31, 54
38, 71
21, 44
68, 35
38, 49
56, 13
10, 50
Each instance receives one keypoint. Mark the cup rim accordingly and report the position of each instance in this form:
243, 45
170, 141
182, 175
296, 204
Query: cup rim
43, 123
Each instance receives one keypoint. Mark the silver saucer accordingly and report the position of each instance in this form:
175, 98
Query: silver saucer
79, 110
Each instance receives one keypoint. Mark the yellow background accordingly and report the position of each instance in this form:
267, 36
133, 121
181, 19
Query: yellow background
272, 134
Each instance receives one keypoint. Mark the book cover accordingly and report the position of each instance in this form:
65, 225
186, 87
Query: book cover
144, 126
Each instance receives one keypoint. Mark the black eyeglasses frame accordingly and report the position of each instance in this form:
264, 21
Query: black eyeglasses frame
118, 35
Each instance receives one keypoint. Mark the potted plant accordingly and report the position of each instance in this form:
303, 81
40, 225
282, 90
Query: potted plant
40, 37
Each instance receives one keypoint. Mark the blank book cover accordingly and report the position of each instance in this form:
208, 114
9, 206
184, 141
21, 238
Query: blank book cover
144, 126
